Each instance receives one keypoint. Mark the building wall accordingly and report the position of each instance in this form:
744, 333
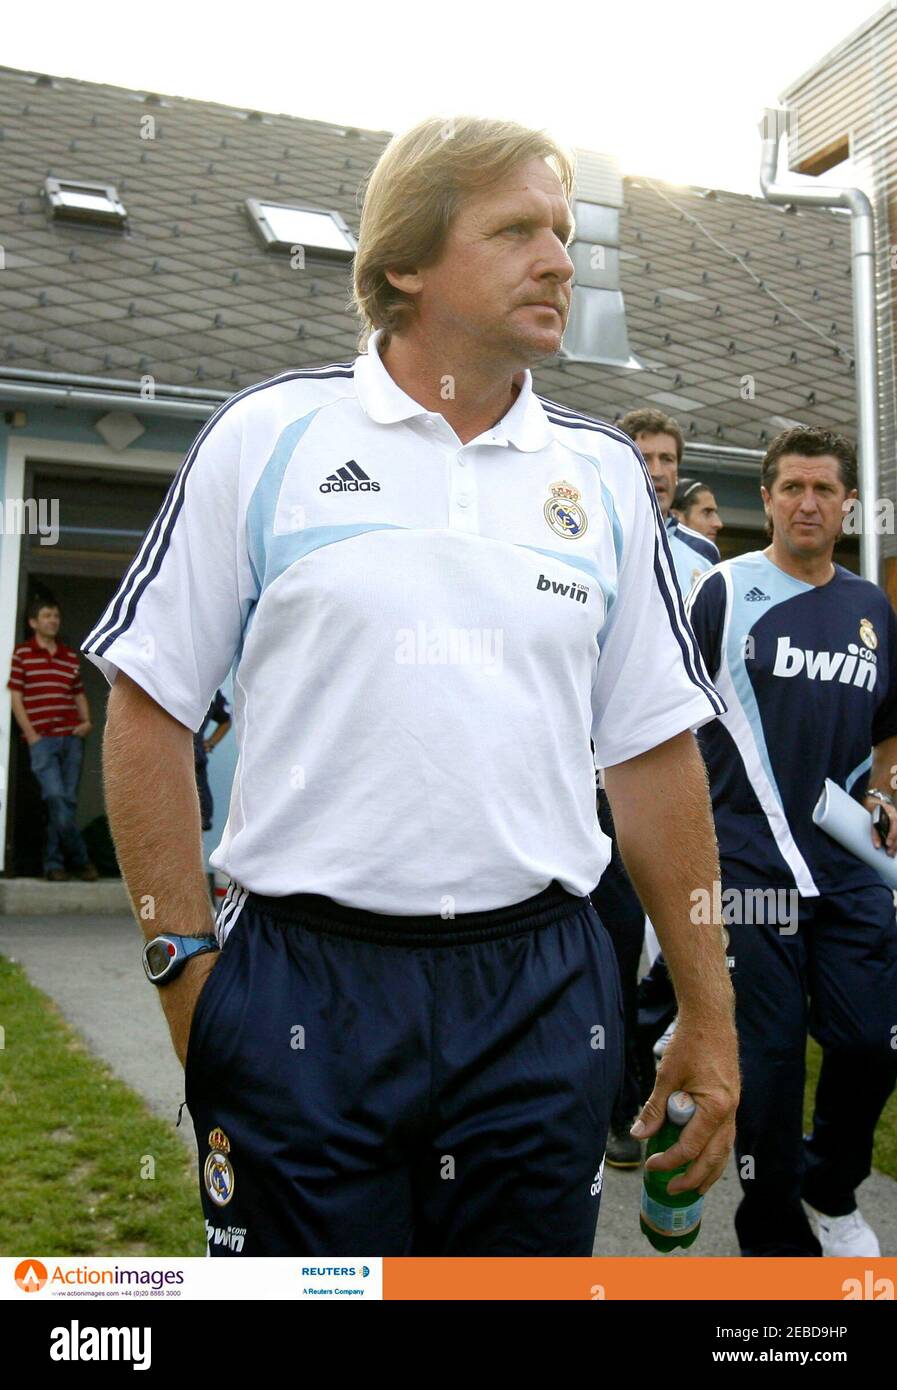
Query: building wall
847, 105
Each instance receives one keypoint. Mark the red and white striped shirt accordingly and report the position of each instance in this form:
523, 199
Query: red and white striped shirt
48, 684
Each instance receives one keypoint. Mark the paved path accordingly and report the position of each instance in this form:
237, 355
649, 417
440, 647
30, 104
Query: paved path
91, 968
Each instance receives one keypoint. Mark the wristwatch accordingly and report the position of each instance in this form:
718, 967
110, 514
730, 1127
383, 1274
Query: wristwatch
880, 796
165, 956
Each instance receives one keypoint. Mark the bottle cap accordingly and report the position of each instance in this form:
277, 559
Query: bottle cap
680, 1108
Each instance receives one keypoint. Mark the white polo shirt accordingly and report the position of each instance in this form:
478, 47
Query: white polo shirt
426, 633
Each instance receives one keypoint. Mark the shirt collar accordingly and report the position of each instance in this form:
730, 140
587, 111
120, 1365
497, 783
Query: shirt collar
61, 648
383, 400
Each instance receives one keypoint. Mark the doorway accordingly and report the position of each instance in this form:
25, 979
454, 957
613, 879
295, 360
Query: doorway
103, 515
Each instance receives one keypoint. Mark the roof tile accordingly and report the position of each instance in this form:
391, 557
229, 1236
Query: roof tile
188, 233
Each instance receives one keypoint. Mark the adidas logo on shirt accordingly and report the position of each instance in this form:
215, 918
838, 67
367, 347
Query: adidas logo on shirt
756, 595
349, 478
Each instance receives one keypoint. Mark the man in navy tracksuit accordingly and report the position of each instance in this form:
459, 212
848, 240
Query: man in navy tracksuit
219, 711
660, 441
805, 655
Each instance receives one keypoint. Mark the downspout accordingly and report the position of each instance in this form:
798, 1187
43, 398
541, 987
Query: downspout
24, 393
862, 237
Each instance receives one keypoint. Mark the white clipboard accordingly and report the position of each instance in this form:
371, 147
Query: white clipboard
845, 820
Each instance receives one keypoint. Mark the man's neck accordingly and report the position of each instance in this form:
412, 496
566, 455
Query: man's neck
812, 569
48, 642
471, 395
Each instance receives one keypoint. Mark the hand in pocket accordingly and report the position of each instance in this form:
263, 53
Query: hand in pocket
180, 998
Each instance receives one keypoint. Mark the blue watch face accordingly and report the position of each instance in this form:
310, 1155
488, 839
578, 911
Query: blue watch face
159, 956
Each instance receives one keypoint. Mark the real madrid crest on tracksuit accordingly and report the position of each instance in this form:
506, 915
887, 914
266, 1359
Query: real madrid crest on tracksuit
218, 1173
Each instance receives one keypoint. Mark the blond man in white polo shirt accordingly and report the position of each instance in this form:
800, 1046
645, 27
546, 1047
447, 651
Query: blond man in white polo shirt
437, 589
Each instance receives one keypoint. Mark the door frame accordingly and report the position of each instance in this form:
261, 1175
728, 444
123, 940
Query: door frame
22, 451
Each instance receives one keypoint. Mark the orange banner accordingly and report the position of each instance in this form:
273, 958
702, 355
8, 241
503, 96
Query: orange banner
640, 1278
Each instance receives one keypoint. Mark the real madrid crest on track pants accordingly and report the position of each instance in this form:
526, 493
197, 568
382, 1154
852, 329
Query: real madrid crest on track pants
405, 1085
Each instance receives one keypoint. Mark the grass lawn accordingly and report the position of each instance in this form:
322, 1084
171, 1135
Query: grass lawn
77, 1147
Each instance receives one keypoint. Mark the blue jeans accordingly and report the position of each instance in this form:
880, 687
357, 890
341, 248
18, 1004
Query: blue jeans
56, 763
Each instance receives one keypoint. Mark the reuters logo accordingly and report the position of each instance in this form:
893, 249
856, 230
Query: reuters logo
31, 1276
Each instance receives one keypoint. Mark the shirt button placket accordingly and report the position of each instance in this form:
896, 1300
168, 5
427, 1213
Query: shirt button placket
463, 508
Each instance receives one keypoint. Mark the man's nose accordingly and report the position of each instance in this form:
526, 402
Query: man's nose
554, 259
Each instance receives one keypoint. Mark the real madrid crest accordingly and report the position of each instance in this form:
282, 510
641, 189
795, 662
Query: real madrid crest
564, 514
867, 634
218, 1173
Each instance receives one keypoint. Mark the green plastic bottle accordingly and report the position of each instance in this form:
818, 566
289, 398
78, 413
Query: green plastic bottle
670, 1220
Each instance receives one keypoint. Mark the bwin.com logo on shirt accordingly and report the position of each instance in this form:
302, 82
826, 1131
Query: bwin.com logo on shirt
856, 666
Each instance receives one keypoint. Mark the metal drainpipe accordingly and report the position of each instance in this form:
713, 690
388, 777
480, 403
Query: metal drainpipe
24, 393
862, 237
109, 383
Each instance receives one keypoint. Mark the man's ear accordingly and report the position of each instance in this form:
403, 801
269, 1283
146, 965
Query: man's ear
408, 281
766, 499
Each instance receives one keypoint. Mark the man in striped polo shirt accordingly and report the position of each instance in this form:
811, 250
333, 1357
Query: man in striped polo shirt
50, 708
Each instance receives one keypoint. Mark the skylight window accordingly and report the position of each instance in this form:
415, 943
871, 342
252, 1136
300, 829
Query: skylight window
92, 203
317, 231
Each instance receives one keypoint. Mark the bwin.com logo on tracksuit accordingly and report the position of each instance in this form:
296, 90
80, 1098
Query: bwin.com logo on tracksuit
856, 666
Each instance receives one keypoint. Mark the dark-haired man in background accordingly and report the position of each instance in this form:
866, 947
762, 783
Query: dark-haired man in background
219, 711
805, 655
50, 708
659, 439
694, 505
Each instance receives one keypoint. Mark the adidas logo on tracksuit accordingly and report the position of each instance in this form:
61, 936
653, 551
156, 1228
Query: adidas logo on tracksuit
756, 595
349, 478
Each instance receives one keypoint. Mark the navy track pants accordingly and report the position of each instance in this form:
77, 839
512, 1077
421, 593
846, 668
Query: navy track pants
617, 904
837, 975
373, 1085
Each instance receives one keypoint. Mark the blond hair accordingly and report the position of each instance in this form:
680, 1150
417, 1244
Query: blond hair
414, 192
